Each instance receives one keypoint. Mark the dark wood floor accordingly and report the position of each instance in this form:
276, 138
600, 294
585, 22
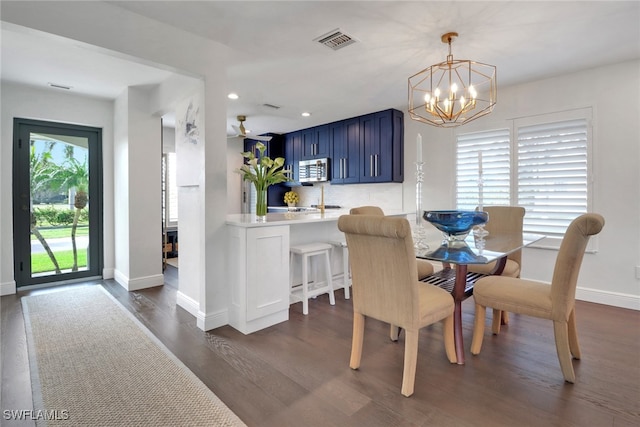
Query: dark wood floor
296, 373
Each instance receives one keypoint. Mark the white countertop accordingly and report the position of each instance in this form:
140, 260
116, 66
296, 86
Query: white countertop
291, 218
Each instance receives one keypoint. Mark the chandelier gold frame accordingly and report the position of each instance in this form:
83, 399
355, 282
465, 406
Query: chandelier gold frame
453, 92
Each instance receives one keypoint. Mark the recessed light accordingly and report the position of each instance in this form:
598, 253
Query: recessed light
306, 114
233, 96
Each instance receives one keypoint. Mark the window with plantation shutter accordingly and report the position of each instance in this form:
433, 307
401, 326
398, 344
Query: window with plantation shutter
169, 190
552, 182
495, 148
541, 163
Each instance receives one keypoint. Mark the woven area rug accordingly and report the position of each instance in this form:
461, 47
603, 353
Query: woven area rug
94, 364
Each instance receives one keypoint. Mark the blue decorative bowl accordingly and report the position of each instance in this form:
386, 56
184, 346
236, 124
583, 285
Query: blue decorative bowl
455, 225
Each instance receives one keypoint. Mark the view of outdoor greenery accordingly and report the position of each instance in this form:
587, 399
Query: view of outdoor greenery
59, 198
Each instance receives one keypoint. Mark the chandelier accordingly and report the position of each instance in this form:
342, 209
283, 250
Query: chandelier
453, 92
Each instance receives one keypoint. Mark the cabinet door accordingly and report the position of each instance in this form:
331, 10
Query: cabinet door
322, 141
345, 140
267, 263
315, 142
376, 139
292, 153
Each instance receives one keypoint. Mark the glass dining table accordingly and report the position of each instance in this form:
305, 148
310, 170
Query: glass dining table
456, 256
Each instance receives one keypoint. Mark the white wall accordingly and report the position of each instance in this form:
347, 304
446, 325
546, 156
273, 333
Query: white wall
607, 276
235, 146
42, 104
138, 225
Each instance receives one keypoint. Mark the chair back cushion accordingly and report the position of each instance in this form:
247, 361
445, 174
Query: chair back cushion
383, 268
568, 262
506, 218
367, 210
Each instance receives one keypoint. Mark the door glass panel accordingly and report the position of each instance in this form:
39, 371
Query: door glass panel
57, 202
59, 190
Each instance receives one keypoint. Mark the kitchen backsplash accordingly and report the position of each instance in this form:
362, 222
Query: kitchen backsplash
387, 196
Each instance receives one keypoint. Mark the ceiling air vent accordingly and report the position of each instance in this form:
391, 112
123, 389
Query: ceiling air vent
275, 107
335, 39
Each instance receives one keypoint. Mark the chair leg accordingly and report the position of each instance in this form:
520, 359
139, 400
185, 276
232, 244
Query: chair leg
505, 317
561, 333
305, 285
449, 340
478, 329
327, 263
495, 324
346, 277
410, 362
574, 345
357, 340
394, 332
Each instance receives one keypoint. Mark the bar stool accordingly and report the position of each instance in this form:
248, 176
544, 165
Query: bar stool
308, 289
346, 276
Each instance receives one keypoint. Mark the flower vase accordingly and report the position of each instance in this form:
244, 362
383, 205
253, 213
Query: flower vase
292, 206
261, 205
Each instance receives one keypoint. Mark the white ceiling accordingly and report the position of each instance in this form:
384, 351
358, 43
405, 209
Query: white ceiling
276, 60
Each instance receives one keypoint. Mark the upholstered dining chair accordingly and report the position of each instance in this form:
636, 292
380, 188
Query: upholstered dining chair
425, 268
555, 302
503, 219
385, 287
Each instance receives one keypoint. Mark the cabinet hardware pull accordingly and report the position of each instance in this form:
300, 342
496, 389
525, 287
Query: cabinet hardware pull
377, 162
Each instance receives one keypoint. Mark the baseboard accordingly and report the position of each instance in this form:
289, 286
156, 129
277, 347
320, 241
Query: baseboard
188, 303
208, 321
138, 283
108, 273
204, 321
8, 288
615, 299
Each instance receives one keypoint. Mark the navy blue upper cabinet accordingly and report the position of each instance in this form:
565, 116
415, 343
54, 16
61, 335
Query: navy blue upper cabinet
315, 142
362, 149
381, 140
345, 148
274, 148
292, 151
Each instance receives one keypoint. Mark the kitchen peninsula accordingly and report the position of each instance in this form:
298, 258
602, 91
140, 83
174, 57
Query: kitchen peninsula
259, 271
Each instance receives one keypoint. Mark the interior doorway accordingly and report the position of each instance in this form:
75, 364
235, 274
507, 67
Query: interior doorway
57, 202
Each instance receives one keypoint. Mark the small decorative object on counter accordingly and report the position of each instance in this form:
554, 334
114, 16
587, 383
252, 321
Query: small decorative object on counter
263, 171
291, 198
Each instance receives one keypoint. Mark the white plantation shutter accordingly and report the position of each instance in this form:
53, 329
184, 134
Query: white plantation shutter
552, 182
170, 190
495, 148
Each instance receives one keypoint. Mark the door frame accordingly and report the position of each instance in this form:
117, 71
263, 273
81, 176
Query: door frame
21, 183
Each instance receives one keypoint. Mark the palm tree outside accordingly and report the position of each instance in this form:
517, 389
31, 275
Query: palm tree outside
42, 171
74, 175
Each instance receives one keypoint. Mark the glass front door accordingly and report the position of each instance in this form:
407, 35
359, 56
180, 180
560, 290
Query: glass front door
57, 202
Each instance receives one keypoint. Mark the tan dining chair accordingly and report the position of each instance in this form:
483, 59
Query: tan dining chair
425, 268
555, 301
503, 219
385, 287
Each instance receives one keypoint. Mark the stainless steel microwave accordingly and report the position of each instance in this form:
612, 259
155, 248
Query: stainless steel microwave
316, 170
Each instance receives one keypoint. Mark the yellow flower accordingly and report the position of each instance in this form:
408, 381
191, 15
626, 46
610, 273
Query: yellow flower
291, 197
